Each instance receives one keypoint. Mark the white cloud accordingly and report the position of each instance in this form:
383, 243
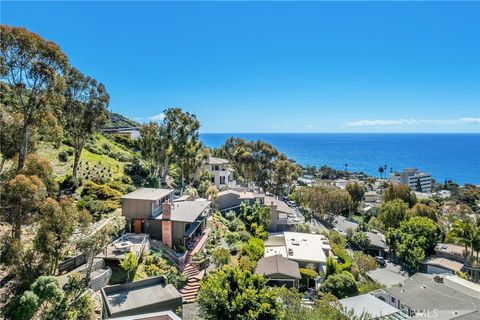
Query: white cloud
407, 122
157, 117
310, 126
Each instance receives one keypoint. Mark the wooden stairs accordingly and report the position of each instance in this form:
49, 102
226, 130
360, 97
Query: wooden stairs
190, 290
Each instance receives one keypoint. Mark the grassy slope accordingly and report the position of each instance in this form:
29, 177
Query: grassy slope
96, 163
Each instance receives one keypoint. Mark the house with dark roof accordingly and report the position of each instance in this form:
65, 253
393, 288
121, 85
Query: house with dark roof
140, 297
282, 216
154, 212
378, 245
435, 297
279, 271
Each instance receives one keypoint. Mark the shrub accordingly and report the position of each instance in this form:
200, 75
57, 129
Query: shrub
340, 285
70, 183
343, 255
100, 192
253, 249
221, 256
235, 247
181, 249
63, 156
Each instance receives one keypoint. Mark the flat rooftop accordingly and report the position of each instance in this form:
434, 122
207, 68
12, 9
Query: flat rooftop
148, 194
133, 295
366, 303
305, 247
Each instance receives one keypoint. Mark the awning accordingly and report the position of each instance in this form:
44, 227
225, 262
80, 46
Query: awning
194, 226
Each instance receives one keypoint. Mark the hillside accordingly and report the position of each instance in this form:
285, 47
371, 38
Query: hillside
117, 120
101, 158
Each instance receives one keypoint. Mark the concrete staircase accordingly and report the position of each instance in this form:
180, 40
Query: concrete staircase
190, 290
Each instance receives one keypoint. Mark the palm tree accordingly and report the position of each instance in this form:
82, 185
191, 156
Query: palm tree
381, 170
463, 233
346, 167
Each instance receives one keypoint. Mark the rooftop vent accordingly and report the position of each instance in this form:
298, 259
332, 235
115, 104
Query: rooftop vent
295, 243
290, 252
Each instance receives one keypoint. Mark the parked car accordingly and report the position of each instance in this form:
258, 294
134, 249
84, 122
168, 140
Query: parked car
381, 261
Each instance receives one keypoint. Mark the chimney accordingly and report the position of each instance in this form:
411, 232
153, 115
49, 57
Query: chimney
167, 211
290, 251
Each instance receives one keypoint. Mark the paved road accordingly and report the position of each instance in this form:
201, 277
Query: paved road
389, 276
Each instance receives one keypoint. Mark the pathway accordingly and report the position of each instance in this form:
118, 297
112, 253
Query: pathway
190, 290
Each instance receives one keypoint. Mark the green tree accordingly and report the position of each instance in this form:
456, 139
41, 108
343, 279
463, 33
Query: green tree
381, 169
28, 304
255, 216
399, 191
285, 174
414, 239
129, 263
221, 256
341, 285
56, 226
84, 111
10, 133
294, 309
357, 192
364, 262
423, 210
36, 165
325, 201
212, 193
20, 197
465, 232
204, 183
93, 243
253, 249
392, 213
331, 267
173, 141
360, 240
44, 294
235, 293
33, 67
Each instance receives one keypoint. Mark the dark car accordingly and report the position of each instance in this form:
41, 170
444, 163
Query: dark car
381, 261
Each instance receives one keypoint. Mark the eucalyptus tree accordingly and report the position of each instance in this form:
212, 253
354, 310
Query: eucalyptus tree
33, 67
85, 110
173, 141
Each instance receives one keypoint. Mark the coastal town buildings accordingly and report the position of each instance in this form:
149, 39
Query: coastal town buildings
434, 297
279, 271
416, 180
222, 174
128, 132
374, 307
140, 297
153, 211
282, 216
304, 248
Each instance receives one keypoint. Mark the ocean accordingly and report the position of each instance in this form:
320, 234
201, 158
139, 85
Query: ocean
446, 156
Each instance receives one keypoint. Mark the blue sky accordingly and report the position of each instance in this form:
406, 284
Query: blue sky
276, 67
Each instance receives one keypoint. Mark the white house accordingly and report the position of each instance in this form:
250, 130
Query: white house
222, 174
304, 248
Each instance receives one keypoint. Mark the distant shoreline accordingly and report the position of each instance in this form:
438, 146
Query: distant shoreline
447, 156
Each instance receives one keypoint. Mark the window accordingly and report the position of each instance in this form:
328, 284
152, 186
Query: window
213, 179
217, 168
393, 300
222, 180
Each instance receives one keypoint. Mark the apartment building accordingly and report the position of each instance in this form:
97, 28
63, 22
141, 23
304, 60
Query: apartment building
416, 180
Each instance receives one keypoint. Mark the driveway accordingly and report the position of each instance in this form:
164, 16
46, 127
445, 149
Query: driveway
389, 276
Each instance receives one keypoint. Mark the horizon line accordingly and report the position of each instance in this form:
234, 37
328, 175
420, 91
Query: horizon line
337, 132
